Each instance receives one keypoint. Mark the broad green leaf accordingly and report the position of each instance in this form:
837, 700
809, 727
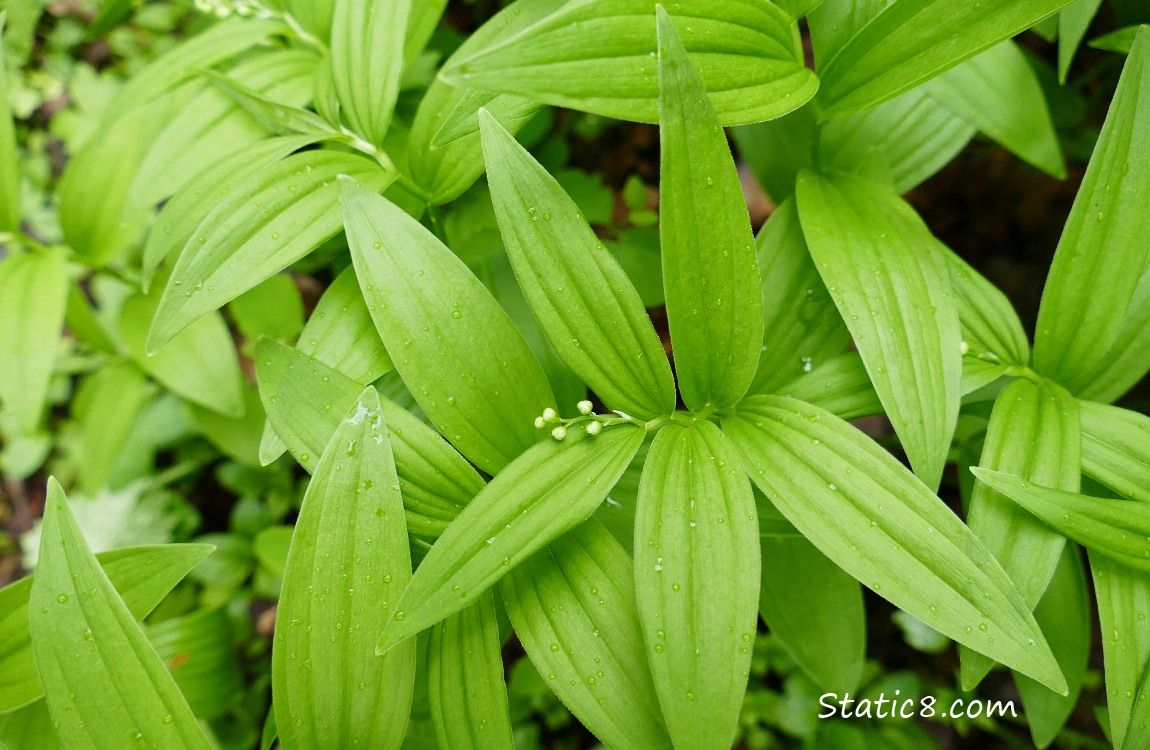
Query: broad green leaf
998, 92
348, 562
990, 326
143, 576
913, 134
551, 488
183, 213
10, 213
465, 680
33, 295
277, 117
304, 400
422, 21
199, 650
710, 273
200, 364
446, 166
270, 220
106, 407
777, 150
315, 16
874, 254
1123, 597
237, 437
803, 328
816, 611
272, 308
455, 348
1128, 359
1064, 616
341, 334
367, 55
583, 300
598, 57
867, 513
104, 683
840, 385
1118, 529
1033, 433
29, 728
1073, 23
1116, 449
593, 656
912, 41
1103, 251
836, 22
697, 581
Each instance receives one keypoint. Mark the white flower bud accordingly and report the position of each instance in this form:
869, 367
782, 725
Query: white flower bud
559, 432
594, 428
963, 348
539, 423
550, 415
585, 407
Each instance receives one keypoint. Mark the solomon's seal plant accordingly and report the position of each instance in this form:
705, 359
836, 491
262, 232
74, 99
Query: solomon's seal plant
492, 436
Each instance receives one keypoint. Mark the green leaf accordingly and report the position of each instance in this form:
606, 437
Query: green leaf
367, 55
710, 273
1073, 23
272, 308
581, 297
277, 117
798, 8
143, 576
777, 150
315, 16
239, 437
697, 581
1103, 251
868, 514
105, 685
912, 41
998, 92
10, 213
840, 385
1102, 525
1033, 433
597, 57
341, 334
990, 326
200, 364
106, 407
183, 213
199, 650
816, 611
914, 135
270, 220
1120, 40
422, 21
348, 561
1064, 616
304, 400
444, 147
593, 656
873, 253
455, 348
465, 680
1116, 449
29, 728
803, 328
553, 487
1128, 359
1123, 597
33, 296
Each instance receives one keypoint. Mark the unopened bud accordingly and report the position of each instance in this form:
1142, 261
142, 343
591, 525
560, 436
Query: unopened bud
559, 432
550, 415
585, 407
539, 423
594, 428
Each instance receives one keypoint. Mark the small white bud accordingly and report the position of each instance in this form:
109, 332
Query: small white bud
594, 428
963, 348
550, 415
539, 423
585, 407
559, 432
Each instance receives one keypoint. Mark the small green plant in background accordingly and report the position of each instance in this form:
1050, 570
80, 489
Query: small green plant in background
498, 456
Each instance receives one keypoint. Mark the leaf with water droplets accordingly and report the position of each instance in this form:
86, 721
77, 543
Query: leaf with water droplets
1123, 597
697, 581
1033, 433
272, 219
347, 564
580, 295
878, 522
304, 400
840, 385
710, 270
454, 346
1116, 449
141, 575
573, 608
465, 684
341, 334
105, 685
367, 54
550, 489
876, 257
1103, 253
600, 57
911, 41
